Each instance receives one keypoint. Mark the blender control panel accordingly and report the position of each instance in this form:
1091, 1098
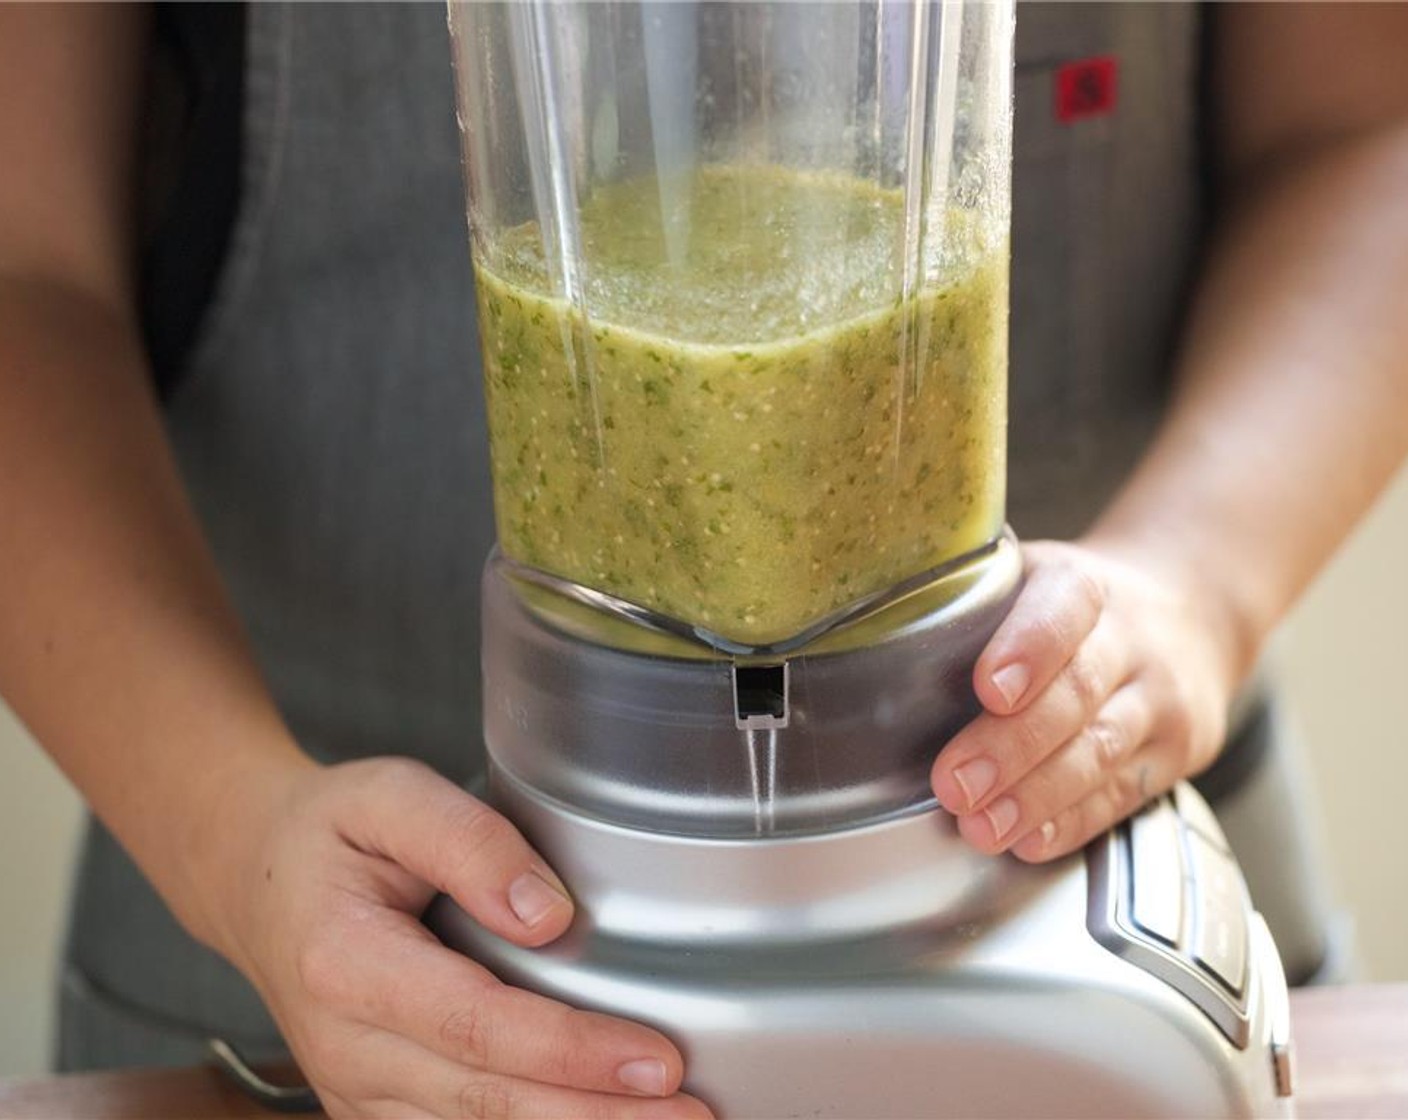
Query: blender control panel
1168, 896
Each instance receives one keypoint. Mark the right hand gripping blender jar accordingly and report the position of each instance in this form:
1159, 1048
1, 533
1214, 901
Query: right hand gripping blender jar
742, 288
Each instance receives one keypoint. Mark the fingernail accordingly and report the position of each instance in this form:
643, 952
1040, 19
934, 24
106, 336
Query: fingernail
1011, 681
1048, 833
1002, 815
975, 778
531, 898
644, 1075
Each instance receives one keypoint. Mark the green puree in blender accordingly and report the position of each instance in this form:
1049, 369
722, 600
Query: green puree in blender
750, 429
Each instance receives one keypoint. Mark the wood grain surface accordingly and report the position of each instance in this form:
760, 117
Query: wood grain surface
1351, 1047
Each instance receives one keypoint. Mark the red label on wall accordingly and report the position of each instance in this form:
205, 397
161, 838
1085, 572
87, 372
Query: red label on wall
1086, 88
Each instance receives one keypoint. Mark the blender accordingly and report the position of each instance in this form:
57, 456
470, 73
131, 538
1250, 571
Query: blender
741, 271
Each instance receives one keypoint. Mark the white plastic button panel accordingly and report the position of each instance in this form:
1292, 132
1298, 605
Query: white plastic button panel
1220, 924
1157, 853
1173, 902
1197, 816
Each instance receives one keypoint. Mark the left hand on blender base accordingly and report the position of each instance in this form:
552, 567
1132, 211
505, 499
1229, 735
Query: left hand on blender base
320, 912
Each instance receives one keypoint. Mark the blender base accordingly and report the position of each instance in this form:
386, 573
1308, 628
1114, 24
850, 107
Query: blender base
777, 891
876, 972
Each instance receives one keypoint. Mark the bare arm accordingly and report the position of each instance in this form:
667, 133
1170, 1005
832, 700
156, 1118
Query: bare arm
120, 651
1292, 412
117, 646
1112, 677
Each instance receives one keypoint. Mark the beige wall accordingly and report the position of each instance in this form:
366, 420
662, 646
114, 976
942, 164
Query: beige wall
1345, 657
1346, 660
39, 816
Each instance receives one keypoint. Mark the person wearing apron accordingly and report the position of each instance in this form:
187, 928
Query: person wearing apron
313, 338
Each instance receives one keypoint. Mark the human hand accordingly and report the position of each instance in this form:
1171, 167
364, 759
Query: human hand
1104, 685
322, 916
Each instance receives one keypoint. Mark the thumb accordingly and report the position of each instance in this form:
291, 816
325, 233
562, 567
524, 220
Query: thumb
411, 815
1059, 605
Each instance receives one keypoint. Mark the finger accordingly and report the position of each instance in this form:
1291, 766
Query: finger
429, 1082
393, 1110
334, 1105
1072, 773
1148, 772
977, 767
409, 984
457, 844
337, 1108
1058, 607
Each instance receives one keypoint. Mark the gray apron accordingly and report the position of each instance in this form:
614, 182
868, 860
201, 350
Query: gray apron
329, 424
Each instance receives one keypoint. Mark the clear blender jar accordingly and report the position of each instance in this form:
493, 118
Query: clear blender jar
742, 283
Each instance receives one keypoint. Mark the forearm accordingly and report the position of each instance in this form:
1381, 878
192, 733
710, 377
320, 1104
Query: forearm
117, 645
1291, 407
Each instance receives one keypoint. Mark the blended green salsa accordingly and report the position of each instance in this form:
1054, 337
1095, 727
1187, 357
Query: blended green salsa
749, 428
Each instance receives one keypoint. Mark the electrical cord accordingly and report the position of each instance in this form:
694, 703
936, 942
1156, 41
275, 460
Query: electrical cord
277, 1098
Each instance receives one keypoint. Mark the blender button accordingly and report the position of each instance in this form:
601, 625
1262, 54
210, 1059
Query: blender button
1220, 927
1198, 816
1220, 946
1157, 879
1217, 875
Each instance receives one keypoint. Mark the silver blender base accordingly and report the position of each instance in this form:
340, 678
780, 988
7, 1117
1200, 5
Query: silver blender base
831, 962
854, 975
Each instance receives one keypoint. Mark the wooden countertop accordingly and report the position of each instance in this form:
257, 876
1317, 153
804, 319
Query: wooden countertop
1351, 1051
